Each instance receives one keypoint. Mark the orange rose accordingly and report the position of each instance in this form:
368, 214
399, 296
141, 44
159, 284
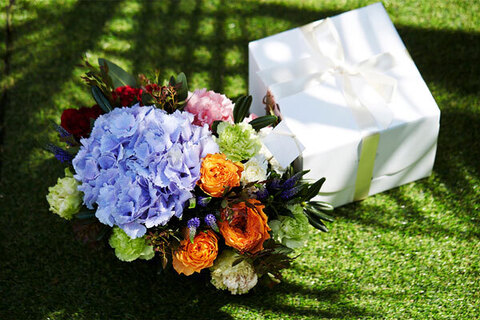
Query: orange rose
248, 229
217, 174
193, 257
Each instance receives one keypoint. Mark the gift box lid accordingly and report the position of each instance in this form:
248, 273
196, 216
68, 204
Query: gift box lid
319, 115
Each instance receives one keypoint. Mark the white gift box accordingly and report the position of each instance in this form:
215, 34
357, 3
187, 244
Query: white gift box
351, 95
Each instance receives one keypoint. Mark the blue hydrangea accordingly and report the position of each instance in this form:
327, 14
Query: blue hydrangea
140, 165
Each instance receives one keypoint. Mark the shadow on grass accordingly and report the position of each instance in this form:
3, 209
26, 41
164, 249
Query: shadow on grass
53, 276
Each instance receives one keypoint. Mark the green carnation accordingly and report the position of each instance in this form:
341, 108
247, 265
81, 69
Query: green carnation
128, 249
291, 231
238, 141
64, 198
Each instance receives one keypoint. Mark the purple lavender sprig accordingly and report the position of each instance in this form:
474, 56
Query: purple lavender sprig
64, 135
289, 193
262, 194
275, 184
211, 221
60, 154
203, 201
290, 182
192, 226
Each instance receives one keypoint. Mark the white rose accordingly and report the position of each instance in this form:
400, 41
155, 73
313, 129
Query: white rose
255, 169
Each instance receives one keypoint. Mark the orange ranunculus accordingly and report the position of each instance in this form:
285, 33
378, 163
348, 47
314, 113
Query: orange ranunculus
193, 257
217, 174
248, 229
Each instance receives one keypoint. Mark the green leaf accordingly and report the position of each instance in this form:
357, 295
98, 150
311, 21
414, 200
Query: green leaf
215, 227
85, 215
318, 224
215, 125
192, 233
237, 261
318, 214
192, 203
172, 82
101, 100
299, 174
105, 76
119, 76
224, 203
182, 91
262, 122
242, 105
284, 211
147, 99
314, 189
102, 233
322, 206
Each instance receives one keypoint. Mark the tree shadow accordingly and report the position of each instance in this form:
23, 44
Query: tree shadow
54, 273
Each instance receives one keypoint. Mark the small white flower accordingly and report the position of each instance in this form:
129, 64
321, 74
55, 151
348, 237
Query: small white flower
255, 169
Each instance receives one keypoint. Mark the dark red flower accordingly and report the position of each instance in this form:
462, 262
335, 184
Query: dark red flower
126, 95
77, 121
152, 87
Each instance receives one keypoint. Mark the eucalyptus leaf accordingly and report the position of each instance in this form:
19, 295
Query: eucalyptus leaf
119, 76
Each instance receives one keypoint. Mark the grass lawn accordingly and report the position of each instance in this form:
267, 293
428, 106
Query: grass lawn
410, 253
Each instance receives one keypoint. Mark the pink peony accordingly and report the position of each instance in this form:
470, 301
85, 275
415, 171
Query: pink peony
208, 106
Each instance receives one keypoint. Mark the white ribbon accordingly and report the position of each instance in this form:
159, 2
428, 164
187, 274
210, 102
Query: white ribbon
356, 81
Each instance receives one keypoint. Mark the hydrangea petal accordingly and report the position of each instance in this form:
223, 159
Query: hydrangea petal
140, 166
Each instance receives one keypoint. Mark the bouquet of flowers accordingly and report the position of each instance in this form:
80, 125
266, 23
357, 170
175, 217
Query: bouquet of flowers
182, 177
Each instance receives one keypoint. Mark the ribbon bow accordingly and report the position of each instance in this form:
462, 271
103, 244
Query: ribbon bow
358, 81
